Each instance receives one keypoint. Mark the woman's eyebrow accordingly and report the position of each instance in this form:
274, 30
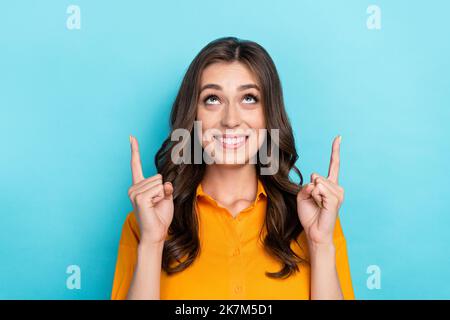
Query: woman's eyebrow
248, 86
241, 87
211, 86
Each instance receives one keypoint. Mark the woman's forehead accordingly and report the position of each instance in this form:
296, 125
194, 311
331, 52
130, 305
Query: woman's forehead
228, 74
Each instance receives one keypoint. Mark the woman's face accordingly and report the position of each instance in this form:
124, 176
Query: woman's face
231, 113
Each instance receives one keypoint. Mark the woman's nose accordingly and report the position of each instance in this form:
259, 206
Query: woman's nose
231, 116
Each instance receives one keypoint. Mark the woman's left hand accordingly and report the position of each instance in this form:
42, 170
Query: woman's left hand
318, 202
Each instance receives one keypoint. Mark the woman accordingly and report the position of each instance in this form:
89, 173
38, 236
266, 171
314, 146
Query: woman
222, 229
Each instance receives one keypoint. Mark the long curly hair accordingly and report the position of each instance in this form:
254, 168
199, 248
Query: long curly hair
281, 221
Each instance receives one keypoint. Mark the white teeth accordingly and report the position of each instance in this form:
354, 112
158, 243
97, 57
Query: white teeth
231, 141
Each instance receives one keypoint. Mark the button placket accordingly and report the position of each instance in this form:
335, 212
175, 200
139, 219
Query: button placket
237, 243
236, 260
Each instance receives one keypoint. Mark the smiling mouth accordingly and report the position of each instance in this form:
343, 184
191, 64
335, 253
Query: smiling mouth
231, 142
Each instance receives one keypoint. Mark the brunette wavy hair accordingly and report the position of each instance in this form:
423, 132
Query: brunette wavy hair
282, 223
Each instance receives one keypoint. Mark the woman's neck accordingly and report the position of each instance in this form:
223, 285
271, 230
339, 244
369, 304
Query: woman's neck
228, 184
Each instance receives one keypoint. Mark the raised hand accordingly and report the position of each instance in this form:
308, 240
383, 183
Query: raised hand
152, 200
319, 201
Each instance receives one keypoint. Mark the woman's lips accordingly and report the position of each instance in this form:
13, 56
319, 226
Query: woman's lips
231, 142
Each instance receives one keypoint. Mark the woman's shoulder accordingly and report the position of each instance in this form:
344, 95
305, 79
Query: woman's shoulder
301, 245
338, 234
130, 231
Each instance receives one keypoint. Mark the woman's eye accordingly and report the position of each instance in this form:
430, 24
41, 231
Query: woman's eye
249, 98
211, 100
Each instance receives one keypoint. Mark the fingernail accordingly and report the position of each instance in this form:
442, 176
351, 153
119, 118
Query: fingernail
130, 138
340, 138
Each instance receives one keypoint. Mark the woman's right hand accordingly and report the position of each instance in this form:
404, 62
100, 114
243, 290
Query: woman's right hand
152, 201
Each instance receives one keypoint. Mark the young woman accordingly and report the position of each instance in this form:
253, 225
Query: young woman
222, 229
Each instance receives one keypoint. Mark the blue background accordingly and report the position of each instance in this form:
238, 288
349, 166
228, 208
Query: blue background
70, 98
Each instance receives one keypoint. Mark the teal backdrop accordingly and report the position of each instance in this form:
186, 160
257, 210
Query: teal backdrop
70, 97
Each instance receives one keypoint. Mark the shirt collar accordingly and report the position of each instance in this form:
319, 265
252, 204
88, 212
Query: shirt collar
260, 191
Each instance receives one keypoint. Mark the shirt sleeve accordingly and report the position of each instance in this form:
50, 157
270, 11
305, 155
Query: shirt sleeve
342, 263
126, 258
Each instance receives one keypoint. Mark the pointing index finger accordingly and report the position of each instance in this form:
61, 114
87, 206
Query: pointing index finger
136, 166
333, 171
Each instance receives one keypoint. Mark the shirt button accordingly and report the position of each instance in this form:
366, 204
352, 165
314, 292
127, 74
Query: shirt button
236, 252
237, 289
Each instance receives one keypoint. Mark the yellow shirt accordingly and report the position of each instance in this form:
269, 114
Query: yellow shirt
232, 261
